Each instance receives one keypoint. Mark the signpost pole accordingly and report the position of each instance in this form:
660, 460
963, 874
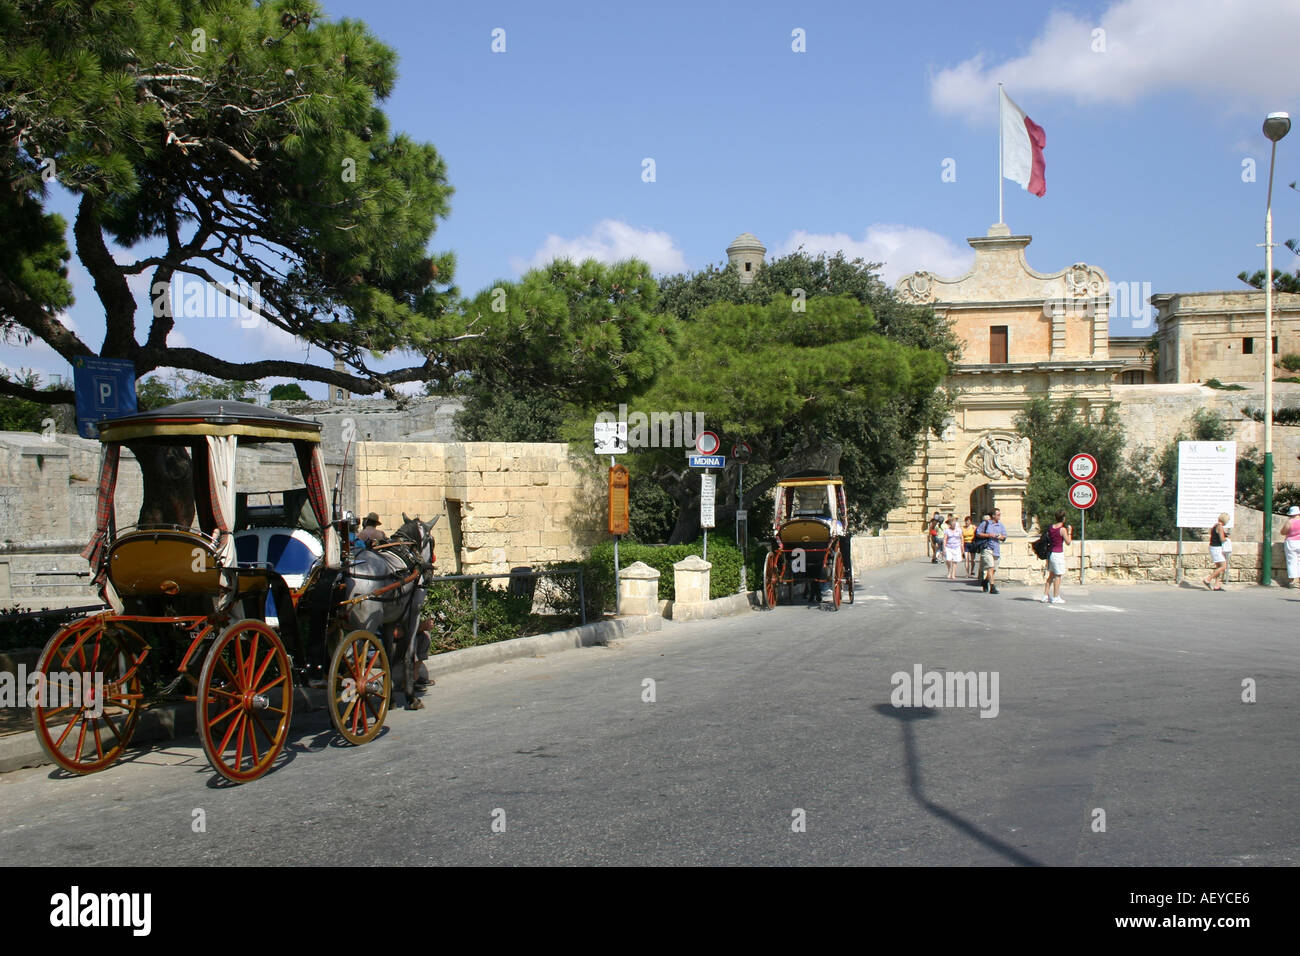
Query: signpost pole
1083, 542
707, 471
742, 531
617, 609
1178, 561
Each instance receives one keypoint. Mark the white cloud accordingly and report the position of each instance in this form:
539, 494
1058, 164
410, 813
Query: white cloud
1241, 53
901, 249
610, 241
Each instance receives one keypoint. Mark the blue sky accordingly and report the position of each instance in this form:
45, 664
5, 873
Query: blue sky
841, 146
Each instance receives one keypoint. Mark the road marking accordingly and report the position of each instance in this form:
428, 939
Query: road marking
1083, 608
871, 597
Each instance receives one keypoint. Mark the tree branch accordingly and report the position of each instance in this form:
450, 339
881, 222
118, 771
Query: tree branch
110, 282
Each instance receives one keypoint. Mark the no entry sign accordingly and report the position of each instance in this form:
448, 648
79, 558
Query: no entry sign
1083, 495
1083, 467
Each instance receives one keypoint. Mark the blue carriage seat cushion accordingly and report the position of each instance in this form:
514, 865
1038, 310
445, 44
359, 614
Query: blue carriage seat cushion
246, 546
289, 555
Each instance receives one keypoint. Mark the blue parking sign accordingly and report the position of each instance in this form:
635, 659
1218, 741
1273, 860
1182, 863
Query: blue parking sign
105, 388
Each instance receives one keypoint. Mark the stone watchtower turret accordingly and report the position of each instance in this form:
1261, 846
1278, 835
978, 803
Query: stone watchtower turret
746, 254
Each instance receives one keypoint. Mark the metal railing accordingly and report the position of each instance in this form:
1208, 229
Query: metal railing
476, 578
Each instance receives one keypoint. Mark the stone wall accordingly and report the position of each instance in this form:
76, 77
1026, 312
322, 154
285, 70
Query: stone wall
1133, 562
870, 552
510, 504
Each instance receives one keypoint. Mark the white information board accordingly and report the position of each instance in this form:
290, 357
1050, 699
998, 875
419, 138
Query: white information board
708, 487
611, 438
1207, 482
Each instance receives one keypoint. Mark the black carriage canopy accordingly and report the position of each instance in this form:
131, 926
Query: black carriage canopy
211, 429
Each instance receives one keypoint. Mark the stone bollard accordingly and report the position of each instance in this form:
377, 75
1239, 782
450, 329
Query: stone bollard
690, 585
638, 589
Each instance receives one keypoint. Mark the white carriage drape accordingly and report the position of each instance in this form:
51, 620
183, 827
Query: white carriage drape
221, 492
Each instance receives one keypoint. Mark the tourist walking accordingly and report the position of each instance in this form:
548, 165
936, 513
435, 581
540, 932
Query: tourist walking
934, 540
967, 539
993, 533
1218, 535
952, 545
1291, 531
1060, 535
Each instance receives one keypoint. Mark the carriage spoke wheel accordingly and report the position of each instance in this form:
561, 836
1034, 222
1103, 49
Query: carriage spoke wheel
244, 701
360, 687
837, 579
771, 578
90, 695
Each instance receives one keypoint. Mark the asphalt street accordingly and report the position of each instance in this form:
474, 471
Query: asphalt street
771, 739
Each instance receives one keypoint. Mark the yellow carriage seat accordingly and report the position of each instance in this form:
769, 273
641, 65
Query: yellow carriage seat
801, 532
152, 563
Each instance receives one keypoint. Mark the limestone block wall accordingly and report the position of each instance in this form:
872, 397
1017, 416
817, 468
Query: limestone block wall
501, 504
871, 552
1134, 562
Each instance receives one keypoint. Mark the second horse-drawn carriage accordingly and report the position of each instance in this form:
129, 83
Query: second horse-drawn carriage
228, 599
810, 541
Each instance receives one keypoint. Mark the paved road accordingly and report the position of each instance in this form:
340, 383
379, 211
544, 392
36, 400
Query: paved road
1125, 700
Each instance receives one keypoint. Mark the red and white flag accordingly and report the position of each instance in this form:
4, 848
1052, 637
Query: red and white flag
1022, 147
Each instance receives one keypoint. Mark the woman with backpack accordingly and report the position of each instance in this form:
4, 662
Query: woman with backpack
1219, 535
1059, 535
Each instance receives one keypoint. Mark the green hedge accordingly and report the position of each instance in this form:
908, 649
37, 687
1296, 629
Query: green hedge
502, 616
598, 571
18, 632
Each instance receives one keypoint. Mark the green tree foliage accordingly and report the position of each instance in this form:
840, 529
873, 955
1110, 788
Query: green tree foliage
815, 364
289, 392
228, 141
1282, 281
21, 414
563, 336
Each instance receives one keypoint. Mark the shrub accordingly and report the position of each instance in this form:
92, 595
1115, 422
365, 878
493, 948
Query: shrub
16, 632
598, 570
501, 615
1290, 362
1215, 383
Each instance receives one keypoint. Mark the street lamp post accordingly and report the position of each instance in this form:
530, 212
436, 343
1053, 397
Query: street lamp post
1276, 125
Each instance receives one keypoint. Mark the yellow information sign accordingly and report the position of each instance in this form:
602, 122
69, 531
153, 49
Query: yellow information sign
618, 500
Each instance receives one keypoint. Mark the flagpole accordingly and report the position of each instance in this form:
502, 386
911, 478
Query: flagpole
1000, 154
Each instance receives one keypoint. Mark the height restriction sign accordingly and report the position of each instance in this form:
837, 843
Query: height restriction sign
1083, 467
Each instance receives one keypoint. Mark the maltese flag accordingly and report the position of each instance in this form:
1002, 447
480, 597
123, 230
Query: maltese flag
1022, 147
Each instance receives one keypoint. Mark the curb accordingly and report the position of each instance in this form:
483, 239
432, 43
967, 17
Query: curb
21, 750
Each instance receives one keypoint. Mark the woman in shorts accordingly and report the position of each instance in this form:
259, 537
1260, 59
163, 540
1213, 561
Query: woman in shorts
951, 546
1218, 535
1291, 531
1061, 536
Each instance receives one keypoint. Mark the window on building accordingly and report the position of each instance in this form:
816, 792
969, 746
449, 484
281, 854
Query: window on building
1275, 345
748, 266
998, 345
1136, 377
1247, 346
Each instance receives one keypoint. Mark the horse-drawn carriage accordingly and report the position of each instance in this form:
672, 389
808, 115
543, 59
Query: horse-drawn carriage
810, 543
228, 598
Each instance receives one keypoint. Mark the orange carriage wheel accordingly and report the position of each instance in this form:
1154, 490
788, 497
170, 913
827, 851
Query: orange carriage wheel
772, 571
837, 578
244, 701
360, 687
90, 693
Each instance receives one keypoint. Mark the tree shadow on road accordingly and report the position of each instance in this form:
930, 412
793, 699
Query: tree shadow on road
906, 716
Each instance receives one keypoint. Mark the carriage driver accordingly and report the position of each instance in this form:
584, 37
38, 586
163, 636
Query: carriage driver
370, 533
